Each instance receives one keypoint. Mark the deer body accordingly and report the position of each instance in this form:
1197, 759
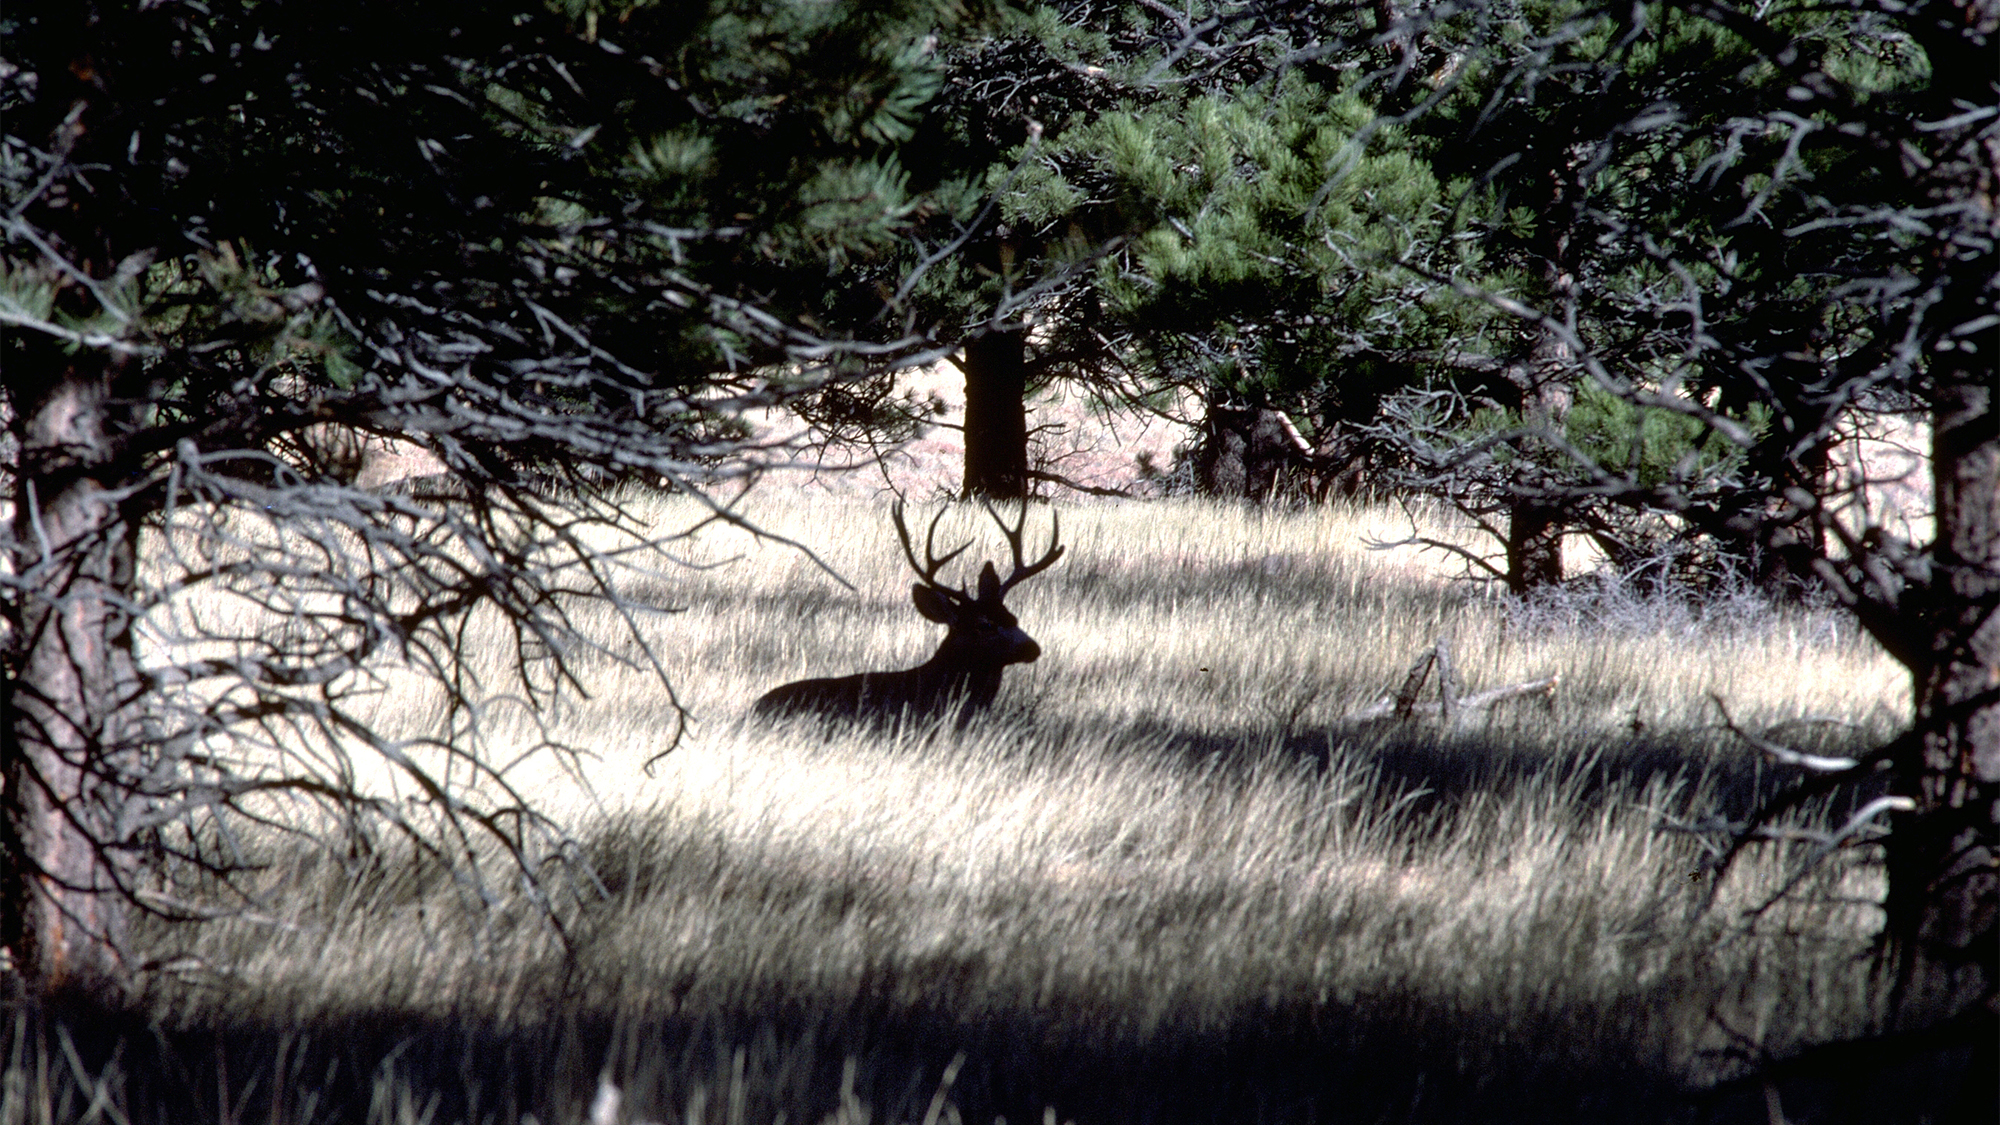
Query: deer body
963, 676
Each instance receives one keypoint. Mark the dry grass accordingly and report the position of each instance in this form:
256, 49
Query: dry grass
1186, 620
1166, 880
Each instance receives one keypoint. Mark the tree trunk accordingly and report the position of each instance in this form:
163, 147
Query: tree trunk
1246, 452
1944, 888
1534, 546
996, 415
1943, 904
66, 742
1535, 527
1548, 380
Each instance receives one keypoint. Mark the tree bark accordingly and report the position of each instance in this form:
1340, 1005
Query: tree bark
1535, 527
1943, 904
1534, 546
1944, 887
996, 415
70, 684
66, 742
1246, 452
1547, 383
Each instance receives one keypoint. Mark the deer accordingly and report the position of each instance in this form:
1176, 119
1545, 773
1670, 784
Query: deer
981, 639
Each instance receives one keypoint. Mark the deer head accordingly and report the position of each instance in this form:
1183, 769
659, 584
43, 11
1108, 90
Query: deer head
983, 632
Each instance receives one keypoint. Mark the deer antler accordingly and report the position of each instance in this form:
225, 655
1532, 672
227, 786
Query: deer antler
1024, 570
928, 569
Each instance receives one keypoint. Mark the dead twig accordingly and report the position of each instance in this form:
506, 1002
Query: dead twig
1785, 755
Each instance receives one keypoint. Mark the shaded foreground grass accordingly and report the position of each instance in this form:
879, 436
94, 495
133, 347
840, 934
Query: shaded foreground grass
1166, 882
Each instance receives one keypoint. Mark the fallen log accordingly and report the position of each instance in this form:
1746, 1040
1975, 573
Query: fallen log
1451, 705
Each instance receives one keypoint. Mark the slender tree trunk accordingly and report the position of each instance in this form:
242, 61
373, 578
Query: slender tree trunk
66, 744
1535, 528
1548, 384
1944, 887
996, 416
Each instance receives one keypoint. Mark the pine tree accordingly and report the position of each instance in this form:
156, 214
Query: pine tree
1151, 216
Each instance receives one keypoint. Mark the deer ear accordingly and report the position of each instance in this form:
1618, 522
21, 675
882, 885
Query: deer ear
930, 603
989, 585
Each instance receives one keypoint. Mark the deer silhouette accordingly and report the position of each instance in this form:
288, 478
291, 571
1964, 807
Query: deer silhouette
982, 637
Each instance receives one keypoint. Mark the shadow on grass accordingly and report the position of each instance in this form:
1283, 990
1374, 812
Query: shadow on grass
73, 1060
881, 1050
1431, 772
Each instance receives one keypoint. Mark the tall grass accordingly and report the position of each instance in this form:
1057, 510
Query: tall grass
1167, 879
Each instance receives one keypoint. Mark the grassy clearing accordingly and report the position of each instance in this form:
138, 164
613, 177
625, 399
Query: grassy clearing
1168, 880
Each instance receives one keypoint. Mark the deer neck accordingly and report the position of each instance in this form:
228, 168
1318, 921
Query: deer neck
957, 671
